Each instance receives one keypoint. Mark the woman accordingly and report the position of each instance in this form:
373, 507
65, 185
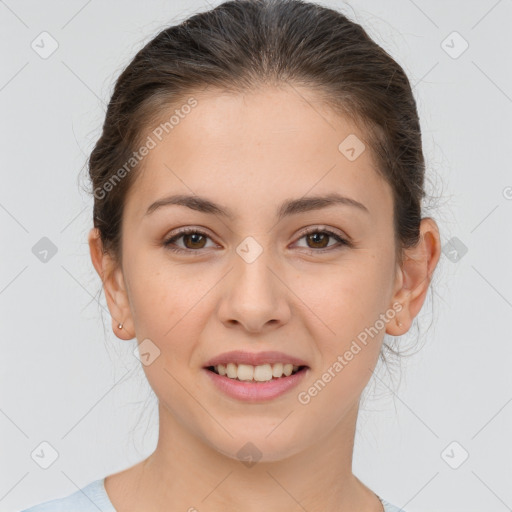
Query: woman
257, 228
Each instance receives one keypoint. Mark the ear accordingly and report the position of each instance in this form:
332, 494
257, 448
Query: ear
113, 286
414, 276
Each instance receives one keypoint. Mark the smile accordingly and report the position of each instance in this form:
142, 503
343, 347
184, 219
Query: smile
260, 373
252, 390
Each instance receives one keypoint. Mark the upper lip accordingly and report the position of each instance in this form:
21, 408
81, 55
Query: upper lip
254, 358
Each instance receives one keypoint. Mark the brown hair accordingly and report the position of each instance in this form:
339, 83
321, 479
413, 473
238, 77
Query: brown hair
243, 44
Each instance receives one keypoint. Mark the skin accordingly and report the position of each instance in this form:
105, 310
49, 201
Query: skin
250, 153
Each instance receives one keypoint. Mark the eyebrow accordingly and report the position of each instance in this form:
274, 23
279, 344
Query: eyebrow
287, 208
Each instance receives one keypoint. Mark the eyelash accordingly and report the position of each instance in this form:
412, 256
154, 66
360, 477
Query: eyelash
187, 231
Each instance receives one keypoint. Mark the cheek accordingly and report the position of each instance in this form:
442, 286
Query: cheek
347, 304
348, 337
163, 296
347, 295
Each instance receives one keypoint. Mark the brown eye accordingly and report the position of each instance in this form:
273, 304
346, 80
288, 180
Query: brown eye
193, 240
319, 239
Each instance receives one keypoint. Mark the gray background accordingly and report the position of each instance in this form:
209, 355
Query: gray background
67, 380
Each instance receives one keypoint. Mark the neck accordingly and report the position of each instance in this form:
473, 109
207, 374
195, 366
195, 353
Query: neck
186, 472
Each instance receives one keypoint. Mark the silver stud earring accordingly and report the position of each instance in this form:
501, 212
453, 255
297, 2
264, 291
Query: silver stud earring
120, 326
399, 323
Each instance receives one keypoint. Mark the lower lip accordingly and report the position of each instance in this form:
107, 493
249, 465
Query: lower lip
256, 391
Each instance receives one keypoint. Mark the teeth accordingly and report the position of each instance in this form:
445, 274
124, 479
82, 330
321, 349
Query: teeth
277, 369
260, 373
231, 370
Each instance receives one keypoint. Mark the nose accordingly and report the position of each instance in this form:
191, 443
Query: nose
254, 295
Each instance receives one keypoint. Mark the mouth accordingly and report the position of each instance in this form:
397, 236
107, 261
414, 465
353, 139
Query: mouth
256, 374
247, 383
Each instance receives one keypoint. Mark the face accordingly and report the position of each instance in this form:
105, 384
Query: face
255, 280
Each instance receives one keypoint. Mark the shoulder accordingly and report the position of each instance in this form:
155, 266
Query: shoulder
388, 507
90, 498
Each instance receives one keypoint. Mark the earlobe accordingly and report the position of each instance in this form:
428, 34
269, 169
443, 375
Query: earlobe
415, 275
117, 300
113, 286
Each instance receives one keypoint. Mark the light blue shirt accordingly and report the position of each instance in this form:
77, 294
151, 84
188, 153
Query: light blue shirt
94, 498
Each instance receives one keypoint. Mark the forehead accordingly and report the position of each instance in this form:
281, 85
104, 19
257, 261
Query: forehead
256, 148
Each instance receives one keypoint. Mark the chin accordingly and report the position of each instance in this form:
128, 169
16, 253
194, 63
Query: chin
251, 448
